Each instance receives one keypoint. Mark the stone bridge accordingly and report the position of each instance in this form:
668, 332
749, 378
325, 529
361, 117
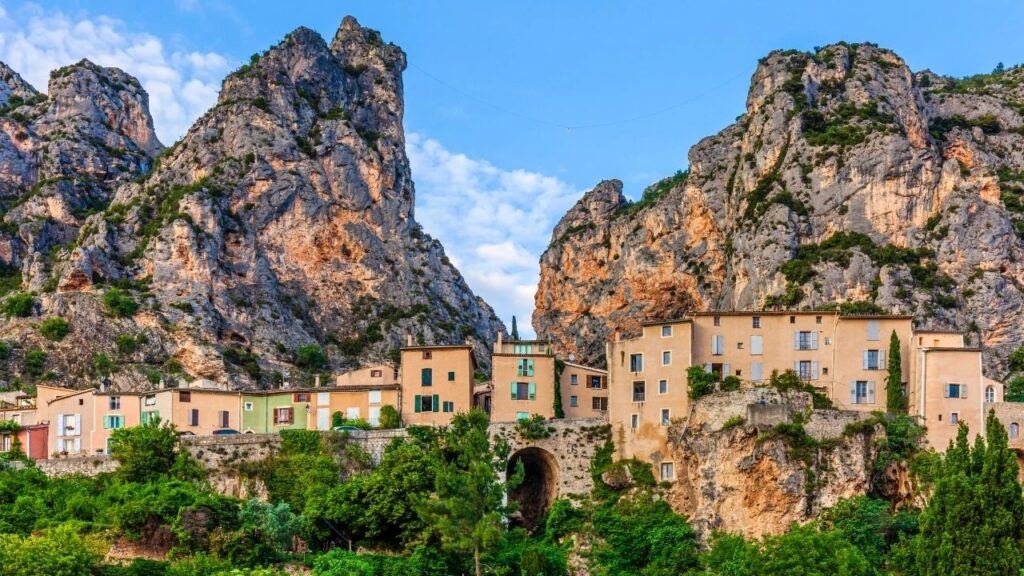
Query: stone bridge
556, 465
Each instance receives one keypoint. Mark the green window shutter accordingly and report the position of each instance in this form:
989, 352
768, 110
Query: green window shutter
419, 403
427, 377
533, 390
436, 406
529, 368
106, 421
514, 391
451, 376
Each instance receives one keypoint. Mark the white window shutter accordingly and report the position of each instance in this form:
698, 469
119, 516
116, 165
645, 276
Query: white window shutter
755, 371
61, 431
871, 392
796, 367
872, 330
947, 391
756, 345
963, 390
78, 423
853, 392
866, 363
707, 367
796, 340
814, 370
814, 340
725, 370
883, 359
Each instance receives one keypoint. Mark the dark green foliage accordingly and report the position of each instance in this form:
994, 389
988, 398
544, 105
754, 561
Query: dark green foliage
939, 127
102, 365
245, 359
127, 344
871, 525
641, 535
895, 399
700, 382
120, 303
20, 305
54, 328
559, 411
35, 362
10, 279
846, 126
1014, 390
261, 103
653, 193
730, 383
310, 357
144, 452
973, 522
533, 428
389, 417
790, 380
515, 330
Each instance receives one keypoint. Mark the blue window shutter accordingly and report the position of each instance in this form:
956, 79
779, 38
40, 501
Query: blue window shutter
514, 391
436, 404
533, 390
419, 403
427, 376
529, 367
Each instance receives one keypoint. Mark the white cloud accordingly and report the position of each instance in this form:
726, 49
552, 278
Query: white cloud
181, 84
494, 223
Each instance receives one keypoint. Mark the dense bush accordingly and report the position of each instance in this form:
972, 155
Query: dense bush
120, 303
20, 304
310, 357
54, 328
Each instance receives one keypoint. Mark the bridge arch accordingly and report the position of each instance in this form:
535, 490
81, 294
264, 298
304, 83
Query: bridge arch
539, 487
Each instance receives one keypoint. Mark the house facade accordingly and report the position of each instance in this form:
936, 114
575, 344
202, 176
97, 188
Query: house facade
436, 383
584, 391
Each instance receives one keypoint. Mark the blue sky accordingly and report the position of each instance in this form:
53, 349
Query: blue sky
514, 108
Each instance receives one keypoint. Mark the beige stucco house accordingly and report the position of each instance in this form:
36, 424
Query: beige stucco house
436, 383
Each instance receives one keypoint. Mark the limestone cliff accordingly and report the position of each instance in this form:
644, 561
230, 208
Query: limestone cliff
849, 179
284, 217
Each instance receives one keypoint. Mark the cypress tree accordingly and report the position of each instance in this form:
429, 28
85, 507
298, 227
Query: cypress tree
515, 330
557, 407
974, 521
895, 400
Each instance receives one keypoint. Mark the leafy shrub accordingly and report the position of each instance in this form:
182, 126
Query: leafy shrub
120, 303
310, 357
102, 364
700, 382
733, 422
533, 428
245, 359
35, 362
389, 417
731, 383
54, 328
789, 380
20, 305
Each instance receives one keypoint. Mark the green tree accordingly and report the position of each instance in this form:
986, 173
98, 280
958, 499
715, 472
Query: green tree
642, 535
1015, 389
60, 552
700, 382
467, 509
974, 521
557, 404
35, 361
389, 417
275, 523
337, 419
144, 452
515, 330
54, 328
102, 364
310, 357
20, 304
120, 303
895, 399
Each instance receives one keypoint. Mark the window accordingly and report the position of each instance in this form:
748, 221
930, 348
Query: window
352, 413
81, 402
451, 376
595, 382
956, 391
284, 415
427, 377
427, 403
1014, 430
756, 371
666, 358
639, 391
573, 380
806, 340
522, 348
954, 418
373, 397
5, 442
113, 422
805, 368
990, 395
376, 373
634, 421
448, 406
756, 346
247, 406
524, 391
667, 471
718, 320
862, 392
755, 322
636, 362
792, 319
522, 415
739, 345
817, 319
872, 330
300, 397
666, 331
824, 370
184, 396
871, 359
115, 402
717, 345
573, 401
662, 386
150, 400
599, 403
828, 340
666, 417
150, 416
224, 418
524, 367
193, 417
427, 355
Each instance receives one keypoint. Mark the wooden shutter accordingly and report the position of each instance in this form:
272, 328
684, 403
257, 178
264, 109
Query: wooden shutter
427, 377
814, 340
872, 329
275, 416
725, 370
78, 421
946, 392
865, 364
436, 403
796, 340
871, 392
529, 367
515, 388
853, 392
533, 390
814, 370
963, 390
755, 371
756, 347
418, 403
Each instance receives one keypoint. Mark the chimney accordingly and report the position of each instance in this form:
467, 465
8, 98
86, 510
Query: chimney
408, 339
617, 336
499, 341
316, 381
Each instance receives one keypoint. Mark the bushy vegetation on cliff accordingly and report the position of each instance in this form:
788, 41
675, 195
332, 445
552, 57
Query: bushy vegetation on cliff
434, 506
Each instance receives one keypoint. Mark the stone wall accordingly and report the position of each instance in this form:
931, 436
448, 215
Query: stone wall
572, 443
826, 424
85, 466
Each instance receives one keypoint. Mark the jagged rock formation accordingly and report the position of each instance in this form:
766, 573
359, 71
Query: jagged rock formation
284, 217
849, 179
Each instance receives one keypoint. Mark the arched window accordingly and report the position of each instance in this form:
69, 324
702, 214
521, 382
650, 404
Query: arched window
1014, 431
990, 394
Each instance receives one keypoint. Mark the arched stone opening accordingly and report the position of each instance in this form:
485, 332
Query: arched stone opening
539, 487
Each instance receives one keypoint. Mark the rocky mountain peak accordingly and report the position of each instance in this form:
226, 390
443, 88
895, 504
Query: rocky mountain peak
12, 84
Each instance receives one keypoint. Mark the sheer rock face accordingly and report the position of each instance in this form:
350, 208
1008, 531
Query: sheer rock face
846, 140
284, 217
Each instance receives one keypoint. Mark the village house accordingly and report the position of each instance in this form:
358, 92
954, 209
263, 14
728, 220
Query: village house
436, 382
24, 430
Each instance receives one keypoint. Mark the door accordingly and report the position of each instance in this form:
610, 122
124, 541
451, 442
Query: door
323, 418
